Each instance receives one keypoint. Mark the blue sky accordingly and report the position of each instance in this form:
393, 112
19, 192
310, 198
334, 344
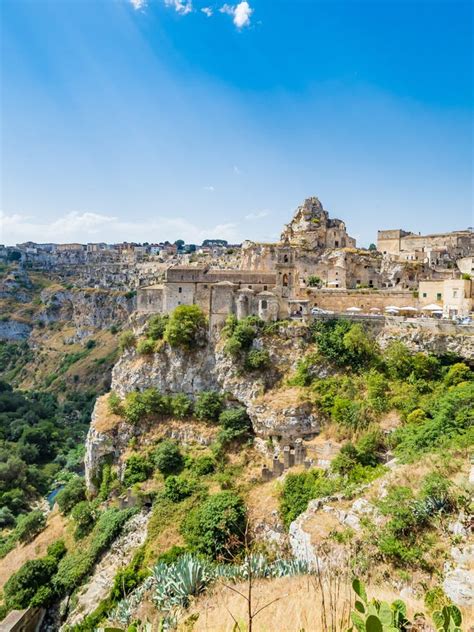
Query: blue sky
151, 119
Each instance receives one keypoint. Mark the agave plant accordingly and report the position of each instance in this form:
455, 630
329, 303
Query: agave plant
176, 583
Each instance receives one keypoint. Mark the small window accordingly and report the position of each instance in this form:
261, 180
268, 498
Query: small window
180, 290
265, 288
455, 293
424, 294
438, 296
250, 287
336, 244
285, 258
264, 304
358, 281
205, 287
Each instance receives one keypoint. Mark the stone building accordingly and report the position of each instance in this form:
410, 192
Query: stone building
402, 245
454, 296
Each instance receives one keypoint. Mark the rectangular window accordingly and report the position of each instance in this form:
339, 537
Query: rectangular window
455, 293
180, 290
265, 288
438, 296
424, 294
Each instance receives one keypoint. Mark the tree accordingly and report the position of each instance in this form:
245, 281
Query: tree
186, 327
372, 247
156, 326
29, 525
217, 526
73, 492
168, 458
181, 406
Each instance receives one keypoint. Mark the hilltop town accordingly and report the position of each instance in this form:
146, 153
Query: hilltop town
316, 264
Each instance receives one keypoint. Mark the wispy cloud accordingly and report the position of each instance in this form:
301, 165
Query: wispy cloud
240, 13
207, 11
257, 215
139, 4
183, 7
88, 226
209, 188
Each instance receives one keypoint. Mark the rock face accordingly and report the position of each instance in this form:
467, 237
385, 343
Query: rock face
87, 310
14, 331
458, 582
120, 554
438, 338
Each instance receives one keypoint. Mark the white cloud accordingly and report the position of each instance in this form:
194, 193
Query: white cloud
139, 4
207, 11
87, 226
209, 188
240, 13
258, 215
183, 7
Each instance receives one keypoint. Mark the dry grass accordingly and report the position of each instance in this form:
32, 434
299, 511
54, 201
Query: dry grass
298, 607
37, 548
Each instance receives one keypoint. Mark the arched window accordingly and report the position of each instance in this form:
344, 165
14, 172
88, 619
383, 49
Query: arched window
285, 280
285, 258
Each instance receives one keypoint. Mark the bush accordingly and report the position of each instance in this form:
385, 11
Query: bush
135, 408
29, 525
458, 373
314, 281
217, 526
299, 489
137, 469
399, 360
181, 406
57, 550
114, 404
127, 340
208, 405
186, 327
257, 360
177, 488
168, 458
204, 465
347, 413
235, 419
343, 343
73, 492
22, 586
84, 515
156, 326
146, 346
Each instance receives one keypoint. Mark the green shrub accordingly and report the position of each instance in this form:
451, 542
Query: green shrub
299, 489
84, 515
203, 465
29, 525
343, 343
168, 458
186, 327
22, 586
114, 404
458, 373
181, 406
347, 413
127, 340
177, 488
73, 492
398, 360
417, 416
235, 419
377, 390
129, 577
314, 281
137, 469
57, 550
146, 346
217, 526
208, 405
135, 408
156, 326
257, 360
452, 418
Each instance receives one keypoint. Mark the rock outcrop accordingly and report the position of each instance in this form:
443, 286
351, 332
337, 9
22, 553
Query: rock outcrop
14, 331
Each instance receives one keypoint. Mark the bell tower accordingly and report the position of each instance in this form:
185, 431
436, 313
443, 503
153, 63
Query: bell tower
286, 270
